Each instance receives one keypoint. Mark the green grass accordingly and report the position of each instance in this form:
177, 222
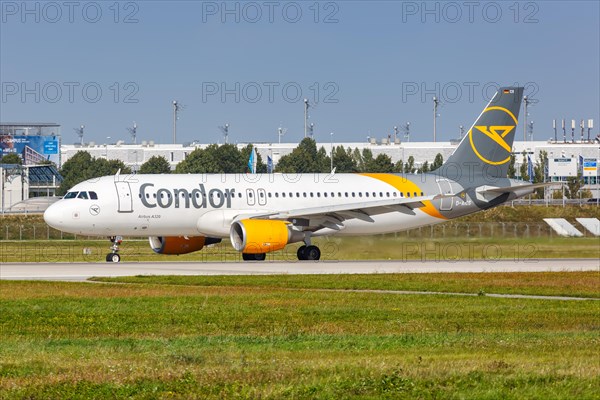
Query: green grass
254, 338
351, 248
582, 284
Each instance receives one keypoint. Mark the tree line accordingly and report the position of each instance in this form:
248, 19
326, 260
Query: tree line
227, 158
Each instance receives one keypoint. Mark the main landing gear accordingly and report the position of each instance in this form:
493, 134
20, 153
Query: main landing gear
308, 252
254, 257
114, 256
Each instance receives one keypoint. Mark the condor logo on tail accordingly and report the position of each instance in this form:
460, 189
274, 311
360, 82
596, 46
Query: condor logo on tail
480, 140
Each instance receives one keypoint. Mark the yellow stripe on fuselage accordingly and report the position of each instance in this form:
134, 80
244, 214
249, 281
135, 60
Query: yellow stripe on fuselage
404, 185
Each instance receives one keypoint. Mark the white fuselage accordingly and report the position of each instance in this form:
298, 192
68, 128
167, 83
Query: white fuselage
192, 205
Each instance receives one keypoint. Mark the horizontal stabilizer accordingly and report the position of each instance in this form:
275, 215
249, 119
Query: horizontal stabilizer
519, 190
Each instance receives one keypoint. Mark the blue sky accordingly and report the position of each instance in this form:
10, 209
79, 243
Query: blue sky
368, 65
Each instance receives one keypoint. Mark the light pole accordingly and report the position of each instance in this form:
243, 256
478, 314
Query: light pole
331, 156
526, 102
306, 105
436, 102
106, 147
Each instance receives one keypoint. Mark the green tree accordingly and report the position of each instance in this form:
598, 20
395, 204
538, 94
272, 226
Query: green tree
11, 158
524, 168
304, 159
200, 161
424, 168
323, 161
155, 165
381, 164
437, 162
409, 167
343, 161
399, 167
574, 184
358, 160
82, 166
539, 173
367, 160
512, 172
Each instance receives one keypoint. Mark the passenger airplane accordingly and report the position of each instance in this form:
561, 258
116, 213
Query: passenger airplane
264, 212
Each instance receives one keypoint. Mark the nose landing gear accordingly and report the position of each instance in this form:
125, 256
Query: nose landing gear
114, 256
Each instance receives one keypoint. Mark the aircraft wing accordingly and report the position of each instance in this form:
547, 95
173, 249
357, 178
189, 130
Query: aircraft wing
333, 216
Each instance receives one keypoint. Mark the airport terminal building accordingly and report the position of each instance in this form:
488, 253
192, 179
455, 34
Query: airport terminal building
42, 153
564, 159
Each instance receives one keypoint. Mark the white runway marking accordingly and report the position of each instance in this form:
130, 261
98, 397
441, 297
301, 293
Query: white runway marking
83, 271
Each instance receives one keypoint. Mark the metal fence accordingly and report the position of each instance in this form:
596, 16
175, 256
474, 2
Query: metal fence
41, 231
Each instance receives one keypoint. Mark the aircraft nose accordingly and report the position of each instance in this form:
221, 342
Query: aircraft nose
54, 216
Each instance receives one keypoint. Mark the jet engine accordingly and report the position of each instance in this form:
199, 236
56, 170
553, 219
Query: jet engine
255, 236
179, 244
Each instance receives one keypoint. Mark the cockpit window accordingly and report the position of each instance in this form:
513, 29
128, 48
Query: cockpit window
71, 195
83, 195
93, 196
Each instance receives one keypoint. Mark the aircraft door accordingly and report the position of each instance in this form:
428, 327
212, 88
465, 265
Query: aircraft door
445, 188
262, 197
250, 197
124, 197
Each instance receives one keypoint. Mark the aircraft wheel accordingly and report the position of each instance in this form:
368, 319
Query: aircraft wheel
254, 257
312, 253
113, 257
301, 252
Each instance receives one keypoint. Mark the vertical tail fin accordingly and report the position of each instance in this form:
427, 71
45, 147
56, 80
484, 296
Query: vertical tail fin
486, 149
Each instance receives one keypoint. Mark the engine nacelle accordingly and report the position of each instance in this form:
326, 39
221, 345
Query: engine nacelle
255, 236
179, 244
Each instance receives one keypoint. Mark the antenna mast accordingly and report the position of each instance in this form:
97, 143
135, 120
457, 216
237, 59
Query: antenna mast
280, 132
133, 132
225, 130
80, 133
526, 102
176, 108
436, 103
306, 106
